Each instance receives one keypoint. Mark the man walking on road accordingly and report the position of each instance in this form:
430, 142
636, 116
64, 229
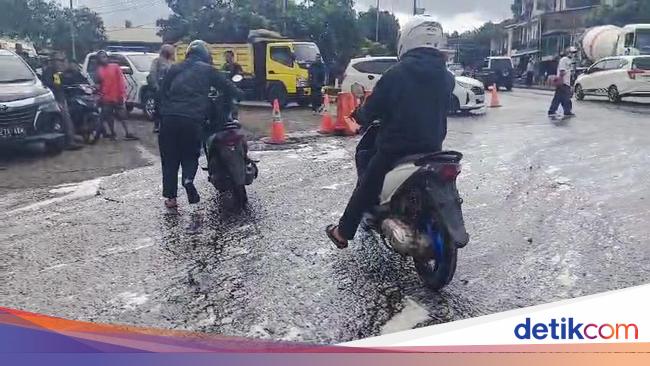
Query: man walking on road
317, 76
563, 92
112, 95
184, 110
158, 70
530, 72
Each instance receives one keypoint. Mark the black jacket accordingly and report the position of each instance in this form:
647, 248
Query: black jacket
186, 87
317, 74
411, 100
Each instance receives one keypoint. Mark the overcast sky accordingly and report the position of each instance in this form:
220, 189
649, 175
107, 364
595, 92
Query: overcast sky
460, 15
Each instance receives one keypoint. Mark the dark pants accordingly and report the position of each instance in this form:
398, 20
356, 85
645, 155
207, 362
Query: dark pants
562, 97
180, 146
110, 111
156, 111
529, 78
68, 125
367, 192
316, 97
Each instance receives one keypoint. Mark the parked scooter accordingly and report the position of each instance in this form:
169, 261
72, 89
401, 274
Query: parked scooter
84, 109
229, 167
419, 211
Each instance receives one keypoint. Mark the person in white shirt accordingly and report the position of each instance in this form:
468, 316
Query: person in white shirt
563, 92
530, 72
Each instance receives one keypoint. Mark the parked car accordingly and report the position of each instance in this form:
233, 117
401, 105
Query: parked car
28, 111
135, 66
615, 78
456, 69
469, 94
497, 70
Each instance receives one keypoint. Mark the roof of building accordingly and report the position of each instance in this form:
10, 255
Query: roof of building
134, 34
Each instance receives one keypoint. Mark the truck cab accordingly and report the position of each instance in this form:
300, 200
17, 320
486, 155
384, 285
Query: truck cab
273, 68
634, 40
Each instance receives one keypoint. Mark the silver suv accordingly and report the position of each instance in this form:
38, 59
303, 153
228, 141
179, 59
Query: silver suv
28, 111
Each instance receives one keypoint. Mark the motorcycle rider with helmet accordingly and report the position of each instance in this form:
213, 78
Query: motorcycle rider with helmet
411, 101
184, 110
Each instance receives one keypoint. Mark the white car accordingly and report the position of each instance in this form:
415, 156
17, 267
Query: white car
135, 66
469, 94
615, 77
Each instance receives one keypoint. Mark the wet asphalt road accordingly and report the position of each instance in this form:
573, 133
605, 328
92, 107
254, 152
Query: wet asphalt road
555, 210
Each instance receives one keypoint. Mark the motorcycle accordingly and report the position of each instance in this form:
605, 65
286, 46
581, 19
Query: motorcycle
229, 167
84, 109
419, 212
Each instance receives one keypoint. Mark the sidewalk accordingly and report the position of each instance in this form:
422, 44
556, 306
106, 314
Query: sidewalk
534, 87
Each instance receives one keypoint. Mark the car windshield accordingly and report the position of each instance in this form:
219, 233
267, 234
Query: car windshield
142, 62
501, 64
643, 41
14, 70
305, 52
642, 63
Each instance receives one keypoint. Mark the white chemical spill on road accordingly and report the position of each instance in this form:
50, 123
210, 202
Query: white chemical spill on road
412, 315
131, 300
80, 190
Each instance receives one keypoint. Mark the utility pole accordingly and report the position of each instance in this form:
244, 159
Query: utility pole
72, 35
415, 7
284, 17
377, 24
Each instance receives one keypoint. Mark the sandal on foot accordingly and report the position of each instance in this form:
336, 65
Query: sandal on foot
330, 234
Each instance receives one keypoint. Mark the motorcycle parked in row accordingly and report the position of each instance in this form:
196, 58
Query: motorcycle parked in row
83, 105
419, 212
226, 148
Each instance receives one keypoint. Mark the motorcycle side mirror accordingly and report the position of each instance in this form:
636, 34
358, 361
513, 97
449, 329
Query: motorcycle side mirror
358, 90
237, 78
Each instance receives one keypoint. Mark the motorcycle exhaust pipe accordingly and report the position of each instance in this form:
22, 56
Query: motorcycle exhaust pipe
407, 241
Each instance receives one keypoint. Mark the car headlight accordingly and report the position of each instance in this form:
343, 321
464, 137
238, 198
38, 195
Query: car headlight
47, 103
301, 82
464, 85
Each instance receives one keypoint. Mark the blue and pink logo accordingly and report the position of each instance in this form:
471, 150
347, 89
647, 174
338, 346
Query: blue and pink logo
569, 328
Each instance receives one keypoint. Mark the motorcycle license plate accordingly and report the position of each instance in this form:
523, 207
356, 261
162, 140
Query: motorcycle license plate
6, 132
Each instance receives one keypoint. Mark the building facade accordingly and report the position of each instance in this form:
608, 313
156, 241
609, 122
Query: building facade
545, 29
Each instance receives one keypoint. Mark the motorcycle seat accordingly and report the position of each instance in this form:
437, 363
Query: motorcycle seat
436, 157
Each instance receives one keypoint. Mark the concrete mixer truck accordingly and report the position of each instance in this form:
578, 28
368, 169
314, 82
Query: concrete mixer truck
609, 40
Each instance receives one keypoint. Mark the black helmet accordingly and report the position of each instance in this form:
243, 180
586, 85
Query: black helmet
199, 49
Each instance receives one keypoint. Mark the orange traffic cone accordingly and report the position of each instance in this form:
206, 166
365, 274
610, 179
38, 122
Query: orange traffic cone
326, 125
345, 125
494, 97
277, 126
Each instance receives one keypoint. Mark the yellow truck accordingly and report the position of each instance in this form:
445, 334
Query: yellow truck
274, 68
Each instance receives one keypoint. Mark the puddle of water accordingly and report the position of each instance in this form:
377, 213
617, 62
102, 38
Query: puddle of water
412, 315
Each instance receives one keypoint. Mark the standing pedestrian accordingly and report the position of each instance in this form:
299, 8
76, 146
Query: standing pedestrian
184, 110
112, 95
157, 72
530, 72
317, 76
231, 67
563, 90
53, 78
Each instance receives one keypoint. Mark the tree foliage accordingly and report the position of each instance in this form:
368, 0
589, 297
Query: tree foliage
332, 24
46, 24
474, 45
623, 12
388, 28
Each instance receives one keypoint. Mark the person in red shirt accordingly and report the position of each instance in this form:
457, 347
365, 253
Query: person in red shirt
112, 94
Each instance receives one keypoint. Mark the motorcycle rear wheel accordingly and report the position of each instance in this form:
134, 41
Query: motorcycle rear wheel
438, 273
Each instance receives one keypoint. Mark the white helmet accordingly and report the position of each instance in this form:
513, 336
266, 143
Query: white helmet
421, 31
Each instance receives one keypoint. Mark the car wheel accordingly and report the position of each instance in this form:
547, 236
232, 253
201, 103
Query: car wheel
580, 93
277, 91
509, 88
54, 147
613, 95
129, 108
149, 106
